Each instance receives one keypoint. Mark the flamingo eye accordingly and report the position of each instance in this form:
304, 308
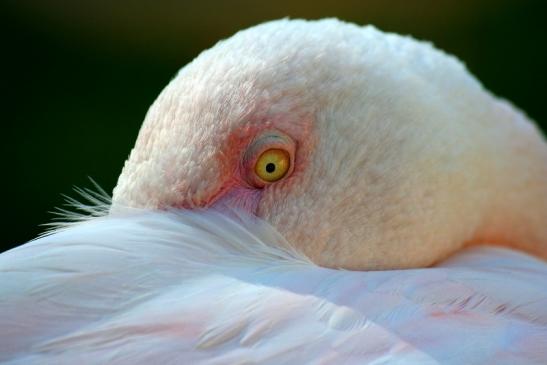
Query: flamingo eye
272, 165
268, 159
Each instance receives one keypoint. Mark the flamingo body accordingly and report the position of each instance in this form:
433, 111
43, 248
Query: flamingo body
183, 287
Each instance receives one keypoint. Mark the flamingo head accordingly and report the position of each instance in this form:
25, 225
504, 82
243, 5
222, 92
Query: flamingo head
365, 150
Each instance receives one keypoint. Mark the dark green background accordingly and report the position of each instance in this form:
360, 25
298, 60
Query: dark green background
80, 75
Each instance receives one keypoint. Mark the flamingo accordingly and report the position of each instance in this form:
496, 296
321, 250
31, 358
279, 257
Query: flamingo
304, 192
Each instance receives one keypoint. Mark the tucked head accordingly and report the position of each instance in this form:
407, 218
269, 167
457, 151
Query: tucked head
364, 149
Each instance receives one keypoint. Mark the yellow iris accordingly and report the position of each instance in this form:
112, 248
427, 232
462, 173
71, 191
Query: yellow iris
272, 165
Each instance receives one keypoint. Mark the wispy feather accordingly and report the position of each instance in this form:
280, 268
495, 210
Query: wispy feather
93, 203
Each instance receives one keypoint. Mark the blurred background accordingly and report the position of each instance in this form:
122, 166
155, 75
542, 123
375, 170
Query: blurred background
79, 76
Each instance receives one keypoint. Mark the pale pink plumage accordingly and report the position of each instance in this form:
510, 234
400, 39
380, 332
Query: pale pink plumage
185, 288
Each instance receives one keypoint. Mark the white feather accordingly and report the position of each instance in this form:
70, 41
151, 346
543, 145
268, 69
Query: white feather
186, 287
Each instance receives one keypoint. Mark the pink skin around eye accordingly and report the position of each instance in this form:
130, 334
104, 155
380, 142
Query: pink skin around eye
240, 191
237, 190
244, 190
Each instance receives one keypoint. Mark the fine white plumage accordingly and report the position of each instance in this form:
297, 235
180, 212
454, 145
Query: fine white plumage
184, 288
268, 167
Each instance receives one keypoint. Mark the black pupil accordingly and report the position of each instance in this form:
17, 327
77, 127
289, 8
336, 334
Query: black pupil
270, 167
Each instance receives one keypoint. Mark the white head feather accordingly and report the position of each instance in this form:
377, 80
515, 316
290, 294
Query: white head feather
400, 156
